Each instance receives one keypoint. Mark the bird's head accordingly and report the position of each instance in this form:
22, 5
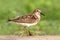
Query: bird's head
38, 11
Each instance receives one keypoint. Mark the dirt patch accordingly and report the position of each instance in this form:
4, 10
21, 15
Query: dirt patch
12, 37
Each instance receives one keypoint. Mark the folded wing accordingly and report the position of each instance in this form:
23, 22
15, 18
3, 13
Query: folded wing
26, 19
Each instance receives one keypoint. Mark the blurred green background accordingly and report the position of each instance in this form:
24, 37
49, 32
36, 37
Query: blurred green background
49, 24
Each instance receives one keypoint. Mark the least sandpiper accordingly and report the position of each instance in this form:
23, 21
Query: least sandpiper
28, 20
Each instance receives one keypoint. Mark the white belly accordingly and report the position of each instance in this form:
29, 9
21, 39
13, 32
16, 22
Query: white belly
27, 24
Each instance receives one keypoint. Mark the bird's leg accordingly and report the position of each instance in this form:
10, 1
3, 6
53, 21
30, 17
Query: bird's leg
27, 32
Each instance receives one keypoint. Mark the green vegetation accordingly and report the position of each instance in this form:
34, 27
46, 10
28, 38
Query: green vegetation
49, 24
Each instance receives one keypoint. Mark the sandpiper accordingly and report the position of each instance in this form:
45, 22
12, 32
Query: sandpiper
30, 19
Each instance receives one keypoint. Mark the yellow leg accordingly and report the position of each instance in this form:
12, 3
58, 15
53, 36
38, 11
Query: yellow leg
27, 32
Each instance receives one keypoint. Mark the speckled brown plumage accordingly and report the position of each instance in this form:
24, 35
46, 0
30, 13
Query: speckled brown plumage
26, 19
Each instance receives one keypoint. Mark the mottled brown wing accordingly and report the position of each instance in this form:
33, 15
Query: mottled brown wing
26, 19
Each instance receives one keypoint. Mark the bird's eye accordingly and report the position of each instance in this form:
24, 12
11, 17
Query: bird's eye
36, 10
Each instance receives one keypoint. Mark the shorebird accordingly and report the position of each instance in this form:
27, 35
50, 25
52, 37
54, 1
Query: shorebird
29, 19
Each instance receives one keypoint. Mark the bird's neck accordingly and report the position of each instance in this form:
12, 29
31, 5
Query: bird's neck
37, 14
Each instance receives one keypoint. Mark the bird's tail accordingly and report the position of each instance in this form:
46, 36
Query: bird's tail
9, 20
